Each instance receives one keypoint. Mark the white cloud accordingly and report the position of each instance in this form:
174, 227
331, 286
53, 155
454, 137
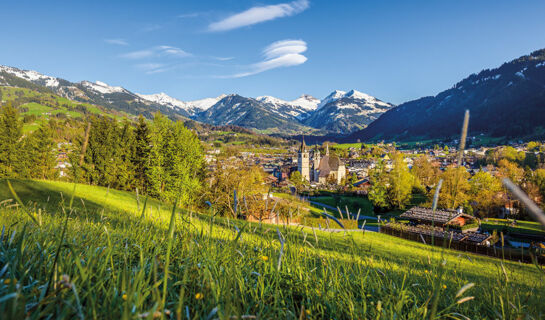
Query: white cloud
158, 51
119, 42
285, 53
149, 67
259, 14
223, 58
189, 15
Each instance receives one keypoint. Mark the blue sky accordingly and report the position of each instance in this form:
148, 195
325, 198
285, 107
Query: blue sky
394, 50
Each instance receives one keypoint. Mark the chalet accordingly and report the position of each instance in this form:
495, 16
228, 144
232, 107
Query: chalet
440, 218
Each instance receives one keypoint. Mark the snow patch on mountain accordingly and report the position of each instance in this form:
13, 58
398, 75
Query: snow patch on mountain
31, 75
163, 99
102, 87
190, 106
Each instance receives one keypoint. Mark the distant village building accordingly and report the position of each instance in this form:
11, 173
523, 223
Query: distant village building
315, 168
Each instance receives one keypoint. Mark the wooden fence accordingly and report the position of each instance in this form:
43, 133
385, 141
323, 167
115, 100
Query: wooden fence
501, 253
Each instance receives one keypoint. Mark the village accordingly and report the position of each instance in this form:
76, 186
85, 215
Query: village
339, 178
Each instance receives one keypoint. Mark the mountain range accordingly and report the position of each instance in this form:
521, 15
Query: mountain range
339, 113
508, 101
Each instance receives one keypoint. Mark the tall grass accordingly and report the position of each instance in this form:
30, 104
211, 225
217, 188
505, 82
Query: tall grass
120, 267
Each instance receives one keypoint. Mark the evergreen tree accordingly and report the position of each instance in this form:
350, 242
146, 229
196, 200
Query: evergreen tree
11, 131
141, 154
41, 154
122, 165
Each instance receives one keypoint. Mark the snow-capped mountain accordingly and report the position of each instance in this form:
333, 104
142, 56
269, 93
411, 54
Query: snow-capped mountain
250, 113
190, 107
101, 87
345, 112
99, 93
32, 76
340, 112
299, 108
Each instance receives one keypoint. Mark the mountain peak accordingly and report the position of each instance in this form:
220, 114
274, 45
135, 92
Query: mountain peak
102, 87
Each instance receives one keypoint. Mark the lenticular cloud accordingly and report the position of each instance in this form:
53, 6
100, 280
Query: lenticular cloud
285, 53
259, 14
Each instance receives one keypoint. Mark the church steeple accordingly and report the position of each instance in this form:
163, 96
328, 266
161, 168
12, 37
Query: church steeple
303, 161
327, 149
303, 146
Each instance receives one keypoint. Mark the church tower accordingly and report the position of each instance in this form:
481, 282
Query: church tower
315, 163
303, 161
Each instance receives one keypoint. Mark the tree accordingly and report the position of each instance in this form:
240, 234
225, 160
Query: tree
484, 189
124, 150
426, 173
176, 162
39, 148
141, 154
352, 179
249, 185
454, 191
11, 131
297, 179
400, 183
508, 169
378, 191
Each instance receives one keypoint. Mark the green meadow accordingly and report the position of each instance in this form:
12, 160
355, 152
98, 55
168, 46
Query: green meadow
113, 255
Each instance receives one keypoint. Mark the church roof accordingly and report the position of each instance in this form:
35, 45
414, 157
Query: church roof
329, 163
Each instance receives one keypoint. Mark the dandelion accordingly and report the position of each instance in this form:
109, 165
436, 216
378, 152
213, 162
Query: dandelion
199, 296
124, 297
307, 312
425, 271
264, 258
444, 286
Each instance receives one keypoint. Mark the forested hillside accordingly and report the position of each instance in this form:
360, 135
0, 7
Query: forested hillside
508, 101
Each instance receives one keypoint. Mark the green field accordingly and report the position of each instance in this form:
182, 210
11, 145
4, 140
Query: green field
523, 227
352, 203
114, 262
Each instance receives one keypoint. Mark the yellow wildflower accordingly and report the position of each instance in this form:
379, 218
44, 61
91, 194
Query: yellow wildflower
199, 296
264, 258
124, 297
444, 286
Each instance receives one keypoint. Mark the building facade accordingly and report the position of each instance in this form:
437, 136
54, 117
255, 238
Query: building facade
315, 168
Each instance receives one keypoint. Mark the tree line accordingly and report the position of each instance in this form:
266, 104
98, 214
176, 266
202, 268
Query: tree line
25, 155
480, 193
161, 158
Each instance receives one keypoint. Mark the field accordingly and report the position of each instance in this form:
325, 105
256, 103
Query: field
522, 227
352, 203
105, 259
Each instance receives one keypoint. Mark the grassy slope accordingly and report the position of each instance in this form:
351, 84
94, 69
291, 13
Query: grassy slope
52, 104
115, 263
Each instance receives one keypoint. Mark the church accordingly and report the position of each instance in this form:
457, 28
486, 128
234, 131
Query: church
315, 168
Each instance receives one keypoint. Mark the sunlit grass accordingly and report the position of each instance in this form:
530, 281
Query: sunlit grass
112, 264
